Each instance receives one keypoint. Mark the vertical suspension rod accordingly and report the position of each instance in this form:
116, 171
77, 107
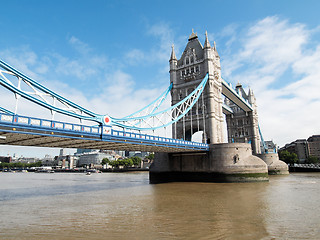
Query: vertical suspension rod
17, 96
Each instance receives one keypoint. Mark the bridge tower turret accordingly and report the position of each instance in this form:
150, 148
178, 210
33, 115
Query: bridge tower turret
213, 93
186, 74
256, 139
173, 67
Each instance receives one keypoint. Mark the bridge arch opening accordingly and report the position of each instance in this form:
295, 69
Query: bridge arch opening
197, 137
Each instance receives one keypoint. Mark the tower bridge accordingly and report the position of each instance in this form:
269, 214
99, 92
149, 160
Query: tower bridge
244, 158
197, 104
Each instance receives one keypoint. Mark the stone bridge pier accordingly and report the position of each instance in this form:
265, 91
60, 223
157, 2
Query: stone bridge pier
226, 162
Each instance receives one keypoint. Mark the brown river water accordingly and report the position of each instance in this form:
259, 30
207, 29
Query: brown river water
126, 206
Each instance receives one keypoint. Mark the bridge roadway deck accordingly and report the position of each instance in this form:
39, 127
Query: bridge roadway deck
231, 94
26, 131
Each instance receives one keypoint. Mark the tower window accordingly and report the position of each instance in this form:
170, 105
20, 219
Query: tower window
187, 61
191, 59
192, 70
197, 68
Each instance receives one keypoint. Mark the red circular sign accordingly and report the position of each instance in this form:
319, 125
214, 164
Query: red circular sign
107, 120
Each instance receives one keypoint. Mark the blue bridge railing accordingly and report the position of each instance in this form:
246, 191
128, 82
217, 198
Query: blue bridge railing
23, 124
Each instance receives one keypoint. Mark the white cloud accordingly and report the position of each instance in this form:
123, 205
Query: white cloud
274, 44
229, 31
79, 68
135, 56
120, 97
161, 48
165, 35
278, 61
79, 46
23, 58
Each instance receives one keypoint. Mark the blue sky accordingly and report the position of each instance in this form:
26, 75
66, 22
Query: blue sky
112, 56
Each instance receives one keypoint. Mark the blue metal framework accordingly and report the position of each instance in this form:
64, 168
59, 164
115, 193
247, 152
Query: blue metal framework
164, 118
152, 107
148, 118
42, 127
38, 93
264, 145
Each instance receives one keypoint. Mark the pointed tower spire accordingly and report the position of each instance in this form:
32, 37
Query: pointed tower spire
207, 43
173, 66
173, 55
251, 97
193, 35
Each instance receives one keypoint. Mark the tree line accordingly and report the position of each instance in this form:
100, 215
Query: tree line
292, 158
19, 165
127, 162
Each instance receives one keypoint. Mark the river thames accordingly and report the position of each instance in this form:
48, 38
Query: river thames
126, 206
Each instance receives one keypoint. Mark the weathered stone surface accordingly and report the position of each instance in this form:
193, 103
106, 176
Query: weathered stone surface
275, 166
227, 162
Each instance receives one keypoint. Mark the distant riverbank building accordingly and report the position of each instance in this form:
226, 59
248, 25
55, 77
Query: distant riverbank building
304, 148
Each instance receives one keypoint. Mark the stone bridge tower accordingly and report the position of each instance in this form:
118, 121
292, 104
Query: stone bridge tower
186, 74
223, 162
243, 127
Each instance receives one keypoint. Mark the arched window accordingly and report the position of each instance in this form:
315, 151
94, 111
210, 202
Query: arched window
187, 61
191, 59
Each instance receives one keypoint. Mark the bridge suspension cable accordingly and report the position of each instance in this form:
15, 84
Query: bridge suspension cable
41, 95
147, 118
262, 140
152, 107
164, 118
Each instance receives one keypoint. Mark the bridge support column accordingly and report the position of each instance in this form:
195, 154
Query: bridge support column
226, 162
275, 166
